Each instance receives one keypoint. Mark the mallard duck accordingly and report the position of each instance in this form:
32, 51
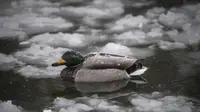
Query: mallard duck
98, 67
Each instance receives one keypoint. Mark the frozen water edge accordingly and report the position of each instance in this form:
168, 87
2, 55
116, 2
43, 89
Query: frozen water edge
155, 102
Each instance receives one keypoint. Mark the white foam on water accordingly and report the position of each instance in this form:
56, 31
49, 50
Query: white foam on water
128, 22
38, 60
7, 106
156, 102
165, 45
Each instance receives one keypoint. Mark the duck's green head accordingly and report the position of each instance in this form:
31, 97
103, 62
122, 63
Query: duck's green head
70, 58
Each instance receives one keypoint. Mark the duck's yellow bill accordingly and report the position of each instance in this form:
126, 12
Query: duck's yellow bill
59, 62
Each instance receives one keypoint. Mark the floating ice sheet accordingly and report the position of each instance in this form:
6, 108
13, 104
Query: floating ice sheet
174, 20
155, 102
60, 39
165, 45
114, 48
9, 107
31, 17
38, 60
8, 62
128, 22
75, 40
158, 103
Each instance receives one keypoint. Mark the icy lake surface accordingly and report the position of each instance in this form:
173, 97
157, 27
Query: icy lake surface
35, 33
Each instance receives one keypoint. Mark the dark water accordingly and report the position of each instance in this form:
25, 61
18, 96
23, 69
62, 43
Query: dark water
174, 72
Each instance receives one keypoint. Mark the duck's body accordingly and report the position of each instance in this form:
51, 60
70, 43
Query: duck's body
101, 67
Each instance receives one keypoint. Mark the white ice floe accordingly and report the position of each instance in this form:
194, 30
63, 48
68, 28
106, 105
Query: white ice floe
98, 9
159, 103
172, 34
128, 22
126, 51
138, 37
75, 40
60, 39
8, 62
155, 33
191, 36
31, 17
153, 102
9, 107
38, 60
174, 20
36, 24
9, 34
85, 104
118, 49
165, 45
131, 38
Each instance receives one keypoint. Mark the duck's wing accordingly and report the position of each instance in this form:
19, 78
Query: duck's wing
107, 61
100, 75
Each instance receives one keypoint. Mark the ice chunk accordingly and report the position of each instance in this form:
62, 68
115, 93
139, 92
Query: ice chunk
60, 39
34, 25
172, 34
163, 104
99, 9
165, 45
43, 53
128, 22
39, 59
113, 48
9, 107
174, 20
62, 102
8, 62
125, 51
86, 104
40, 72
155, 32
132, 38
6, 33
66, 105
191, 36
